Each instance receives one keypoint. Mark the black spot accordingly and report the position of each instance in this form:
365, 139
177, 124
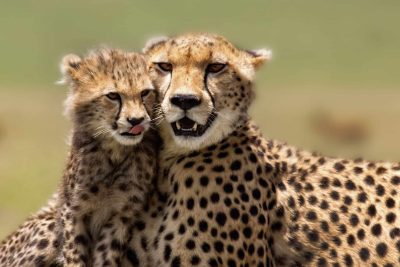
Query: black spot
205, 247
380, 190
188, 164
348, 260
351, 240
80, 239
220, 218
372, 210
313, 236
247, 232
195, 260
228, 188
334, 195
311, 216
167, 252
354, 220
334, 217
169, 236
234, 235
253, 158
362, 197
190, 244
364, 254
132, 257
190, 203
390, 203
338, 166
189, 182
381, 249
218, 168
182, 229
176, 262
248, 176
218, 246
204, 181
395, 180
236, 165
324, 183
361, 234
390, 217
276, 226
234, 213
94, 189
222, 155
325, 226
214, 197
376, 230
42, 244
350, 185
203, 226
369, 180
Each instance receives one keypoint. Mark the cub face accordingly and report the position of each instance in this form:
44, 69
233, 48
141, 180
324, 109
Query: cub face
204, 84
111, 94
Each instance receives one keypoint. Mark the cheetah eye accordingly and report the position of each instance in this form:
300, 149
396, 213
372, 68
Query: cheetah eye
164, 66
215, 67
145, 93
113, 96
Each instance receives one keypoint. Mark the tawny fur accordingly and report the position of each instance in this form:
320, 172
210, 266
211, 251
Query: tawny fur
235, 198
108, 173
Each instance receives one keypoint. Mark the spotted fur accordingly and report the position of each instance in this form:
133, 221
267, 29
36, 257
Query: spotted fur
109, 170
235, 198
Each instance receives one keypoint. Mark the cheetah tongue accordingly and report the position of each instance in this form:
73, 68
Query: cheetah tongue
137, 129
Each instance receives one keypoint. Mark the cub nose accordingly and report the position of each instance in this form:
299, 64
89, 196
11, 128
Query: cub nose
185, 102
135, 121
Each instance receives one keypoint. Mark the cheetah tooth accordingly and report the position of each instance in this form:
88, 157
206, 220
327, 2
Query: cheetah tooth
178, 125
194, 126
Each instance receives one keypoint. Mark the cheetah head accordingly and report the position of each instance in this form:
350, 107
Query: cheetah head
205, 86
111, 95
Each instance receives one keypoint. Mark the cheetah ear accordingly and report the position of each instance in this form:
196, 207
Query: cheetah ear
69, 66
153, 42
259, 56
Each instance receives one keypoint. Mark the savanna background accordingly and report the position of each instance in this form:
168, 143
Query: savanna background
332, 86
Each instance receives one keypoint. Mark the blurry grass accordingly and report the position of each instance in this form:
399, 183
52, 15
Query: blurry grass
32, 151
339, 55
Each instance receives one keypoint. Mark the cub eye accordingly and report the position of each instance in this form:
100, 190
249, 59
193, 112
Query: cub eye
215, 67
145, 93
113, 96
164, 66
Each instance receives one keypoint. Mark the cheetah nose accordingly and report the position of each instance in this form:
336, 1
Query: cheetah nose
185, 102
135, 121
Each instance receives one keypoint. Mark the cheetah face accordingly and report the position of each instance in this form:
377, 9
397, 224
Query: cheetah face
204, 84
111, 96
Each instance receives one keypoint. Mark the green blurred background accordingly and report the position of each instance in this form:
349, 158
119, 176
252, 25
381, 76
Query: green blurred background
333, 84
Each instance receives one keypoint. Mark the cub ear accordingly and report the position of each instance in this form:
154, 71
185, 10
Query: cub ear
153, 42
69, 65
259, 56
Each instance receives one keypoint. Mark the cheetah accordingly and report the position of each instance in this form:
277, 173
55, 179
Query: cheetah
109, 170
227, 196
209, 207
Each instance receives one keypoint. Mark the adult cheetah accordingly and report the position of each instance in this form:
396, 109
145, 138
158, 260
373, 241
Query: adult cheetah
234, 198
108, 175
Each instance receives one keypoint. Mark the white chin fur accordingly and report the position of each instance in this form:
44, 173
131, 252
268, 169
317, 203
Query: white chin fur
221, 127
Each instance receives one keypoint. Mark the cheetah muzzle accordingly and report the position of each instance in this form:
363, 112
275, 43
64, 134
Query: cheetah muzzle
190, 128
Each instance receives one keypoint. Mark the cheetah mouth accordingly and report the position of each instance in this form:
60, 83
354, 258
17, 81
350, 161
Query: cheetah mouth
126, 134
190, 128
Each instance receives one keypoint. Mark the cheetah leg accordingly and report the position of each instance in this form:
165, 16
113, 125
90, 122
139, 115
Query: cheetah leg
110, 246
75, 249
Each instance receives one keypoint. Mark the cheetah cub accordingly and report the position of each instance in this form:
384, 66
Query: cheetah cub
112, 156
